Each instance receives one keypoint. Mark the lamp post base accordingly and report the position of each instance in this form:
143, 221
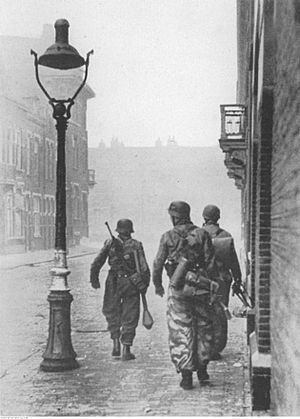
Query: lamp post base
58, 365
59, 354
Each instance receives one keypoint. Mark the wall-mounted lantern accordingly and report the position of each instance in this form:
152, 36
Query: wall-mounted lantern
233, 140
233, 126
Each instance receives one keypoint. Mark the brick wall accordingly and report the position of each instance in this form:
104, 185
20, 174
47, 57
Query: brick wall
264, 57
285, 233
263, 223
253, 217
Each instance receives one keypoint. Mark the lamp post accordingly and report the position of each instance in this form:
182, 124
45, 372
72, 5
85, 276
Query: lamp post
59, 354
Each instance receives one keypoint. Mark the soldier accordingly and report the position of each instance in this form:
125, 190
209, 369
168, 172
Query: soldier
189, 317
121, 305
228, 266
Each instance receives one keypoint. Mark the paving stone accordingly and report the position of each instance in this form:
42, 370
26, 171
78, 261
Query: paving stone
102, 386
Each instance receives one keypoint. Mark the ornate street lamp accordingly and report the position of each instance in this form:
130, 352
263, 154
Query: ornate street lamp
59, 354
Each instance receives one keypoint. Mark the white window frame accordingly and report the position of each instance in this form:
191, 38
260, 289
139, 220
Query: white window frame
28, 142
9, 215
18, 150
36, 215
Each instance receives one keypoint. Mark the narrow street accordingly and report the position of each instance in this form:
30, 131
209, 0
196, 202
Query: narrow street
102, 385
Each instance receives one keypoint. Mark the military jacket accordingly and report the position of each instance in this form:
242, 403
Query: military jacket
119, 255
173, 241
230, 266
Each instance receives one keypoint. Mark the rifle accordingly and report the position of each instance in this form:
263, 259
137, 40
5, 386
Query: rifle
115, 241
119, 251
147, 318
240, 291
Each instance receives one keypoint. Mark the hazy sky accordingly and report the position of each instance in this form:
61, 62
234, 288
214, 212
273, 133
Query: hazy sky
161, 67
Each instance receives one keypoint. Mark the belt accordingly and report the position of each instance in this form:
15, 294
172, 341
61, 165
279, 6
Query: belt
122, 275
119, 274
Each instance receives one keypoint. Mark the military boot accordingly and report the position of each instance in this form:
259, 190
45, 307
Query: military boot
116, 347
127, 355
203, 377
187, 380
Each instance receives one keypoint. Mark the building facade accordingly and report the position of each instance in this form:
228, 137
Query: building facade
28, 150
262, 154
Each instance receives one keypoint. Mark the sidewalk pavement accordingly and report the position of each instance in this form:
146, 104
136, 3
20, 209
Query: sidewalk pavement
103, 386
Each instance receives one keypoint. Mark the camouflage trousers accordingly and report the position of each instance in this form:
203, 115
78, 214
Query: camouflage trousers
190, 323
220, 327
224, 291
220, 322
121, 307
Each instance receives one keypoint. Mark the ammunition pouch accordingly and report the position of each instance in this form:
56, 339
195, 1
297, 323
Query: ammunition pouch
170, 267
192, 291
177, 280
137, 280
198, 284
180, 275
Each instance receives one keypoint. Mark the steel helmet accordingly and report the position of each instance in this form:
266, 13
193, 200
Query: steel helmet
179, 209
211, 212
125, 226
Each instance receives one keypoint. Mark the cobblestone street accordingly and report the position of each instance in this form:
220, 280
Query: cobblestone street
102, 385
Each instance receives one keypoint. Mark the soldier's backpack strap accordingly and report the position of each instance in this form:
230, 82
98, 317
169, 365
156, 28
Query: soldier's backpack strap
214, 235
184, 244
184, 234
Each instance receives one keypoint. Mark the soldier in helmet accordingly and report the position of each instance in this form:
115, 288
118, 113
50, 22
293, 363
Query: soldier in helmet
189, 317
228, 266
121, 305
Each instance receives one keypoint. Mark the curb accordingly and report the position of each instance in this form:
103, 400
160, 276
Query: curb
33, 259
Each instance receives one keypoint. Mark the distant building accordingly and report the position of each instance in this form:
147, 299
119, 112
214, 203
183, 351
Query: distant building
140, 182
260, 138
28, 149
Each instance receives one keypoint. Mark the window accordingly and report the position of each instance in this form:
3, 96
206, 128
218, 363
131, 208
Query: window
36, 158
19, 213
52, 210
9, 146
27, 203
18, 223
75, 152
47, 206
36, 216
23, 151
76, 203
18, 150
47, 160
9, 216
297, 11
52, 161
14, 147
5, 152
85, 206
28, 153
